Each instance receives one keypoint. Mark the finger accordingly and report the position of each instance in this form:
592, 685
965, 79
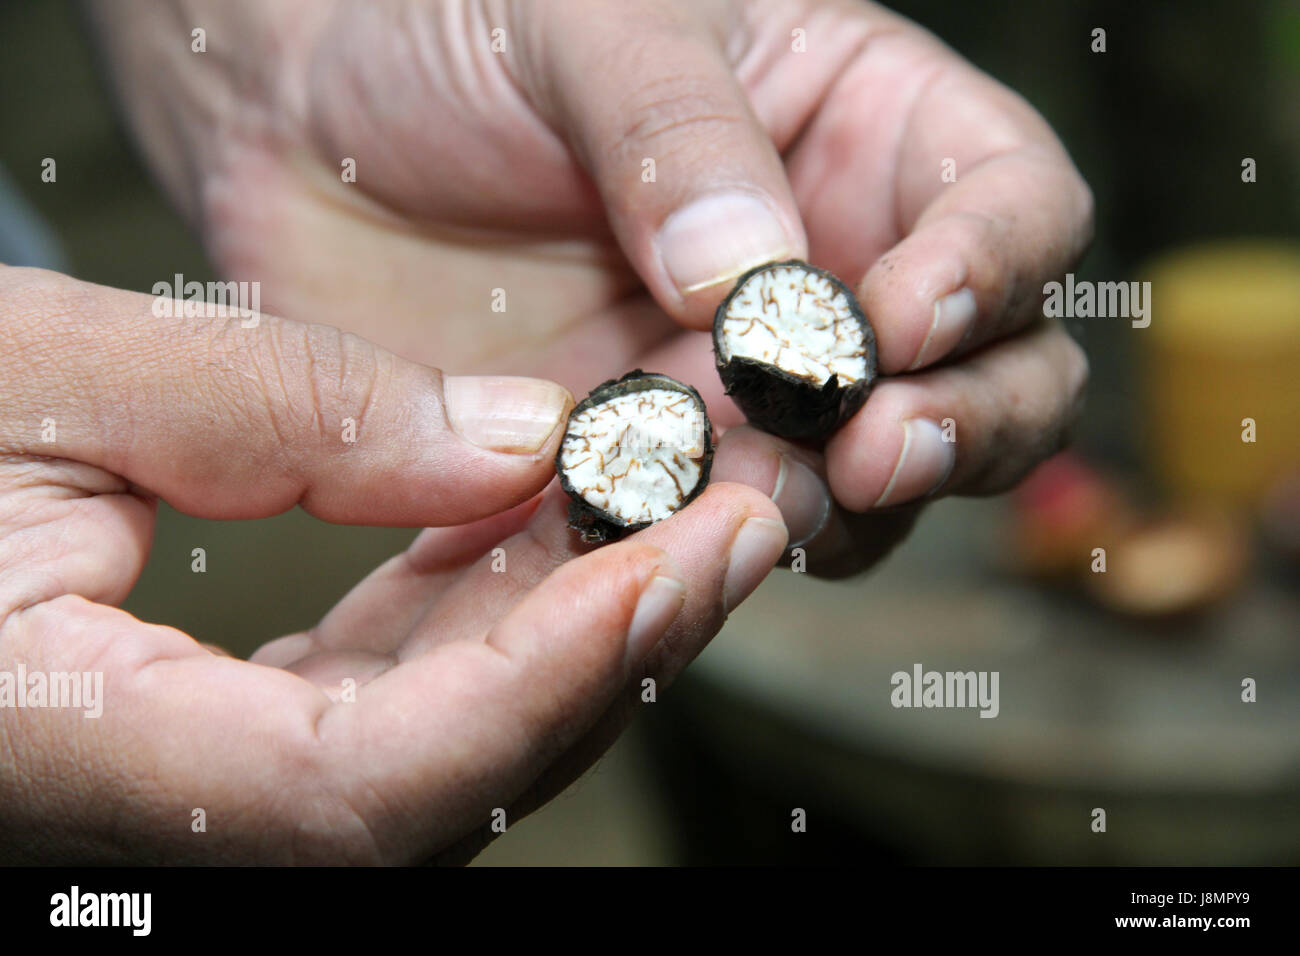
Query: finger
978, 248
854, 543
380, 613
691, 181
830, 542
682, 642
68, 525
173, 731
495, 584
974, 268
951, 232
849, 545
228, 421
973, 428
793, 477
498, 711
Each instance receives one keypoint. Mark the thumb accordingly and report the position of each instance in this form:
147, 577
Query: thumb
691, 182
233, 418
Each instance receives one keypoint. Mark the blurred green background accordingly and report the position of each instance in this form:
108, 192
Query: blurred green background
789, 707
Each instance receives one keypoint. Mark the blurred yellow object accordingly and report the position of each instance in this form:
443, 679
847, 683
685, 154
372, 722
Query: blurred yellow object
1223, 347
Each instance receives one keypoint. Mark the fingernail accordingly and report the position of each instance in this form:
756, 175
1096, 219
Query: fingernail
924, 464
515, 415
953, 316
717, 237
759, 544
804, 500
658, 606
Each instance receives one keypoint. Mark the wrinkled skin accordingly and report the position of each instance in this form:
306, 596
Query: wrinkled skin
476, 171
523, 171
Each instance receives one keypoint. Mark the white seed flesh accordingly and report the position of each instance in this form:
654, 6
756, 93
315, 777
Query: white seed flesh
637, 456
798, 321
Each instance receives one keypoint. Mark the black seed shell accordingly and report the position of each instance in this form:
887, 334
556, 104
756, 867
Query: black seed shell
596, 525
785, 404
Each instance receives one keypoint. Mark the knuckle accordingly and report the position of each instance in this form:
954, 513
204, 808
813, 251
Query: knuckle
341, 371
665, 115
311, 378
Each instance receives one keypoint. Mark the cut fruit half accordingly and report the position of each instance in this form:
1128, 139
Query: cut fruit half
636, 450
794, 350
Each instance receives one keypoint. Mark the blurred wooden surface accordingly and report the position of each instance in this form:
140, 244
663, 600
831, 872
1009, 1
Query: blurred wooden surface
1094, 710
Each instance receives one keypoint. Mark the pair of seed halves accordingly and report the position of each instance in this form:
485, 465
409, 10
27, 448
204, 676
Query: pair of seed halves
795, 353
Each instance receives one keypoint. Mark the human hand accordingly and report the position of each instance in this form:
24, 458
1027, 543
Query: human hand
524, 170
451, 682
